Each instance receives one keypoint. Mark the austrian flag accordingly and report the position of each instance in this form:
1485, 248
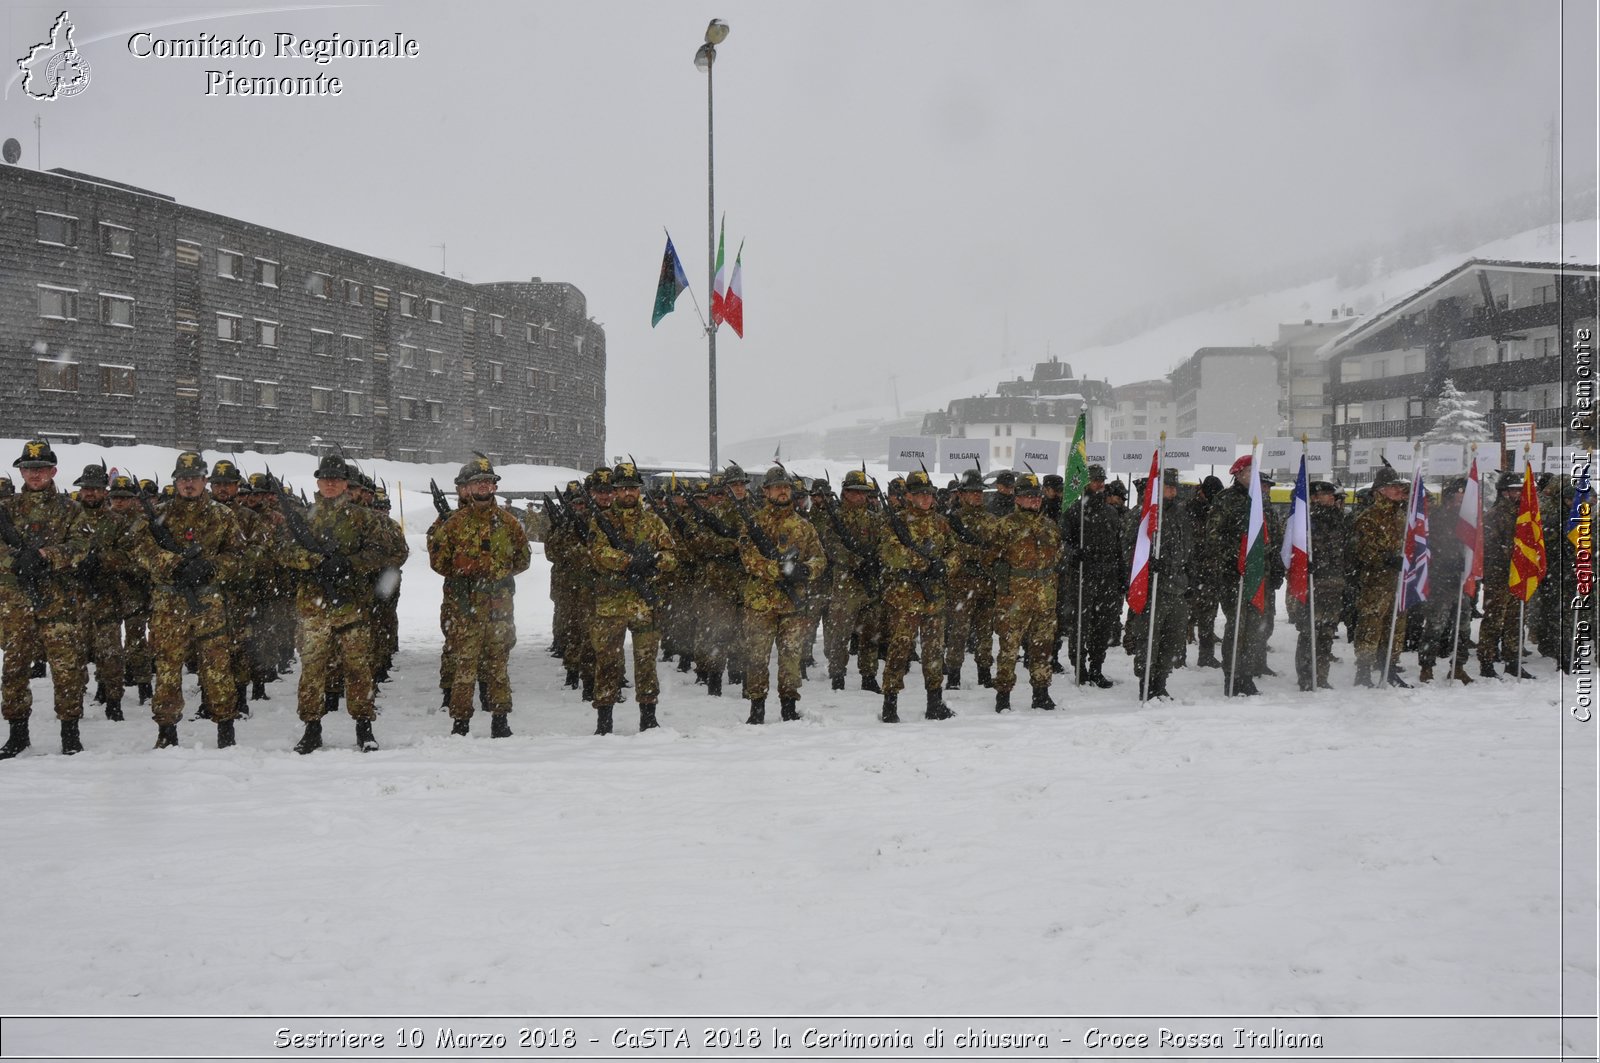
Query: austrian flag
1139, 583
1297, 537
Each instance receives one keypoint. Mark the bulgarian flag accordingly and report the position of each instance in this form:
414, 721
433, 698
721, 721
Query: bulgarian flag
1253, 545
719, 283
1297, 537
1528, 560
1469, 529
733, 302
1139, 583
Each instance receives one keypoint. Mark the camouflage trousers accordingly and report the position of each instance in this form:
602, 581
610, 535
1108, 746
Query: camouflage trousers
104, 639
851, 611
607, 632
386, 619
577, 651
1374, 609
717, 633
139, 664
1203, 618
333, 647
969, 612
1440, 626
179, 632
1026, 617
1251, 634
1328, 595
762, 630
908, 616
278, 629
479, 650
1502, 616
242, 637
24, 639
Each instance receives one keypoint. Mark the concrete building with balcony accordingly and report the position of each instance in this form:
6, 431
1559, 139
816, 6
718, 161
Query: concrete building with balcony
1500, 330
1142, 410
1045, 406
1305, 409
127, 317
1229, 389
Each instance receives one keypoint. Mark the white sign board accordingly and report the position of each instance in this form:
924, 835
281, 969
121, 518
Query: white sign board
1558, 460
1097, 453
1131, 456
1280, 452
1319, 459
1401, 456
957, 455
1043, 454
1181, 454
1361, 455
1446, 459
1535, 455
1215, 448
907, 453
1516, 433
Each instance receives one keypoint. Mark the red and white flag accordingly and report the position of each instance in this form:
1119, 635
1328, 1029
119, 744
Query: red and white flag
1297, 537
1469, 529
1139, 583
733, 301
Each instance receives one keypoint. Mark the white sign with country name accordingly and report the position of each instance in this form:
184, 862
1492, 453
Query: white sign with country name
1280, 452
1401, 455
957, 455
907, 453
1445, 459
1558, 460
1097, 453
1131, 456
1215, 448
1535, 455
1516, 433
1361, 455
1319, 459
1182, 454
1043, 454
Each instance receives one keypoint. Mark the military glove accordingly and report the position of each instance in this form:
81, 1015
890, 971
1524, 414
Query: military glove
90, 568
335, 567
30, 565
194, 572
937, 569
1156, 564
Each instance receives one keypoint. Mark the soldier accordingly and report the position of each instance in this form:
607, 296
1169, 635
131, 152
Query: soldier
1028, 554
916, 558
102, 601
1446, 606
1225, 529
192, 552
851, 542
386, 591
628, 545
1169, 611
1497, 634
275, 612
45, 539
715, 549
1329, 541
243, 593
970, 606
1204, 596
781, 554
132, 589
1005, 493
340, 546
1092, 553
1376, 540
676, 613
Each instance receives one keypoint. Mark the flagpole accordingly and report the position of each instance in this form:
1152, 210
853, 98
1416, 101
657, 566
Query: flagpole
1311, 578
705, 59
1400, 578
1238, 607
1522, 609
1455, 639
1077, 665
1158, 490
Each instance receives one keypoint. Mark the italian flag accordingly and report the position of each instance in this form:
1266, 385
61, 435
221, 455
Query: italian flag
719, 284
733, 302
1253, 546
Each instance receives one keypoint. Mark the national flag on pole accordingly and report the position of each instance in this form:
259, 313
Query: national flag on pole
1253, 547
733, 302
1077, 479
1139, 583
670, 285
719, 283
1415, 557
1297, 537
1469, 529
1528, 561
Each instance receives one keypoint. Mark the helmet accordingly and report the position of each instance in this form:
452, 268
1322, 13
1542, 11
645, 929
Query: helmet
225, 472
1027, 484
1053, 480
1005, 478
600, 479
1169, 477
7, 488
1385, 476
189, 465
1097, 474
856, 480
93, 476
775, 477
733, 474
1211, 486
148, 486
332, 467
918, 483
821, 487
1510, 481
971, 480
122, 486
1328, 487
263, 484
626, 474
1117, 489
36, 454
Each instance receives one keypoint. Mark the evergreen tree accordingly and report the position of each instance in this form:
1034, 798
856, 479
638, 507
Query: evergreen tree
1457, 419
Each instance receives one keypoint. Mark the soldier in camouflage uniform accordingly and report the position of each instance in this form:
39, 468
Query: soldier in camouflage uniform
1169, 611
1497, 634
624, 597
1204, 593
1027, 552
1376, 540
189, 617
677, 588
39, 603
914, 595
1225, 528
1329, 563
850, 540
347, 548
386, 592
242, 593
132, 585
970, 606
103, 604
1092, 552
275, 611
1445, 605
773, 592
479, 550
717, 601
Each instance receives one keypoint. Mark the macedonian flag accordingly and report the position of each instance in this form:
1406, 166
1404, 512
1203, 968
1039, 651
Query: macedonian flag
1528, 561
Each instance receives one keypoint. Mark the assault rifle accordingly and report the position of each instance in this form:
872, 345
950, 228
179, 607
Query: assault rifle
440, 502
169, 542
30, 565
709, 521
334, 575
642, 559
935, 566
790, 574
563, 512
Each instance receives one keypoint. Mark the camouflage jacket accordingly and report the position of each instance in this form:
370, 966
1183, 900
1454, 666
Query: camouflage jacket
932, 534
479, 550
106, 585
977, 561
1177, 547
636, 527
799, 548
197, 524
54, 523
357, 534
257, 569
1028, 547
1499, 532
1376, 539
850, 570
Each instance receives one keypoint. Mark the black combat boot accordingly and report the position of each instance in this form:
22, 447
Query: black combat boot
758, 711
1098, 678
572, 679
647, 716
870, 682
499, 726
224, 734
167, 736
602, 714
714, 684
1246, 686
311, 740
788, 709
1056, 667
1363, 677
1395, 680
462, 727
330, 702
258, 690
1518, 670
18, 740
891, 709
444, 698
937, 709
114, 710
685, 664
364, 739
38, 671
1158, 689
587, 692
952, 680
1486, 670
99, 693
836, 682
1002, 701
1042, 699
70, 742
241, 702
984, 678
204, 711
145, 692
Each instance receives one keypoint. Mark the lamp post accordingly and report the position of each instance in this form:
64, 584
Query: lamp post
704, 59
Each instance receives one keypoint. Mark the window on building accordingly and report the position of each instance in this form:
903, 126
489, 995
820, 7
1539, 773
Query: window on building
497, 325
469, 369
531, 333
57, 376
266, 333
497, 373
116, 240
116, 380
61, 303
116, 310
320, 285
468, 418
321, 400
267, 394
352, 403
59, 229
230, 391
408, 357
230, 264
230, 327
1413, 362
1380, 368
435, 311
321, 343
539, 422
497, 418
355, 348
352, 293
435, 361
469, 321
435, 411
266, 273
409, 408
1544, 293
408, 305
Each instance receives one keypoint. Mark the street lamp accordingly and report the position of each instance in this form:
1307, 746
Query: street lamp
704, 59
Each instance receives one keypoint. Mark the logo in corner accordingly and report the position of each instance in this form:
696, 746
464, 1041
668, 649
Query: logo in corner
55, 69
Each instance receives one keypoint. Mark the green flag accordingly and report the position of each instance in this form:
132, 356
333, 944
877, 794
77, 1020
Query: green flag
670, 285
1077, 466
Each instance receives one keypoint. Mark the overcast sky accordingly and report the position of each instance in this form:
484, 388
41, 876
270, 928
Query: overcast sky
916, 182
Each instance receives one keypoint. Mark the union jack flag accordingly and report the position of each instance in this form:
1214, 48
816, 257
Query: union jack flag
1414, 571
